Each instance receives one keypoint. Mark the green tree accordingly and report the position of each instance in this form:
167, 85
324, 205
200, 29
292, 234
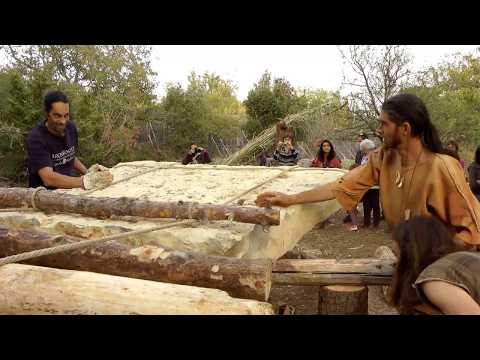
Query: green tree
110, 89
268, 101
207, 107
451, 92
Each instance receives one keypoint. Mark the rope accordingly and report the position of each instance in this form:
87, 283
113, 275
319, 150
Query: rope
34, 194
82, 244
120, 181
259, 185
87, 243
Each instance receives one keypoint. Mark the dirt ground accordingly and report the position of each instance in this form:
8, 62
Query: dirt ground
333, 240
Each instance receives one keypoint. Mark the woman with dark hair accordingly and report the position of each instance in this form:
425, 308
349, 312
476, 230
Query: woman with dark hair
326, 157
414, 176
474, 174
432, 273
452, 150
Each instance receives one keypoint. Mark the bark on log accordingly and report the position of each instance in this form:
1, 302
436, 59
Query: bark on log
328, 279
104, 208
343, 300
249, 279
347, 266
35, 290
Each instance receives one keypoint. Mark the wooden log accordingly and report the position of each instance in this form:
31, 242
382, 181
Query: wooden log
328, 279
343, 300
35, 290
347, 266
104, 208
250, 279
385, 253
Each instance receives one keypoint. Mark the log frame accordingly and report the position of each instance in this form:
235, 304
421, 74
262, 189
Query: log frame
104, 207
249, 279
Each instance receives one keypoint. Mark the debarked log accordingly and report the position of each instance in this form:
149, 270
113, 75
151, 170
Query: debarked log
248, 279
104, 208
382, 266
36, 290
302, 279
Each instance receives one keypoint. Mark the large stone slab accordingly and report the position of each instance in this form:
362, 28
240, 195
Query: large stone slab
215, 184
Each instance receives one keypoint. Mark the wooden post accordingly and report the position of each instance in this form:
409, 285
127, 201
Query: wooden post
343, 300
36, 290
104, 208
385, 253
249, 279
321, 272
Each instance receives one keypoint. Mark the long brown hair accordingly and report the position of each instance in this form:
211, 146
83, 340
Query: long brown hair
421, 242
321, 153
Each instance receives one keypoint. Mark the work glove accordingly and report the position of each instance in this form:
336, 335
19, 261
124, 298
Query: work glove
96, 177
97, 167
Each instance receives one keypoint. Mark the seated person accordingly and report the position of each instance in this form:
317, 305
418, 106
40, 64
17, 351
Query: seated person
326, 157
196, 155
52, 147
285, 153
433, 271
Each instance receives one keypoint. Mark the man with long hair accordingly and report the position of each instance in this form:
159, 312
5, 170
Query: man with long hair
415, 177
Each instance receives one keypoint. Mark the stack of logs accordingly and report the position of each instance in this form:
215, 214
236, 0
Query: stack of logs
114, 278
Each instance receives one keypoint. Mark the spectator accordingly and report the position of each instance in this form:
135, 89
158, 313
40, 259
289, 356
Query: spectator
452, 150
474, 174
326, 157
358, 156
285, 153
196, 155
432, 271
371, 199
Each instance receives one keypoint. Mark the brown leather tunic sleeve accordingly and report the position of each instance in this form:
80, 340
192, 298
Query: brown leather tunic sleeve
351, 187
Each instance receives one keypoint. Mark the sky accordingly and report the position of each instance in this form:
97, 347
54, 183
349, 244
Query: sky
305, 66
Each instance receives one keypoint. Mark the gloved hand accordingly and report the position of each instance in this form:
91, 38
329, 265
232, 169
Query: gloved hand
97, 167
95, 178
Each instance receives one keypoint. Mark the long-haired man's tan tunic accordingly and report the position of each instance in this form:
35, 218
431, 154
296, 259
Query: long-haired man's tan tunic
438, 189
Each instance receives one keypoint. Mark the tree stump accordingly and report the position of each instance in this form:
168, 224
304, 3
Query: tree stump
343, 300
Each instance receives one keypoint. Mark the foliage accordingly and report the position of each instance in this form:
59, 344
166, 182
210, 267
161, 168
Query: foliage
451, 92
268, 101
110, 90
207, 108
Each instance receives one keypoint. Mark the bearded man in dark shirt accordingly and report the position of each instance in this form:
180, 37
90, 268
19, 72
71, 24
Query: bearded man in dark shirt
52, 147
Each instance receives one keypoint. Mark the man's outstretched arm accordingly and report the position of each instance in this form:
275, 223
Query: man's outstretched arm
319, 194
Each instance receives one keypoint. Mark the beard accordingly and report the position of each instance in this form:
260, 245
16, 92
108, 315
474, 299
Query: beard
393, 141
